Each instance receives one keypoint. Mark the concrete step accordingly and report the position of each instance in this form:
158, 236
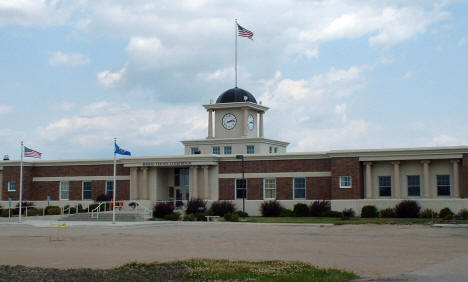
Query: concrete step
126, 217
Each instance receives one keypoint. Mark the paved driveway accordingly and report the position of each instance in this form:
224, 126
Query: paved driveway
369, 250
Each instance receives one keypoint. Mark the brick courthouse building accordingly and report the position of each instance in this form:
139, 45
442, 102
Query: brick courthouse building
209, 169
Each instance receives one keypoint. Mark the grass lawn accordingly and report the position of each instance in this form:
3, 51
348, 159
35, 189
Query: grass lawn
188, 270
338, 221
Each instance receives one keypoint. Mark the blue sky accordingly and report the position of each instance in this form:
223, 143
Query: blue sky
336, 74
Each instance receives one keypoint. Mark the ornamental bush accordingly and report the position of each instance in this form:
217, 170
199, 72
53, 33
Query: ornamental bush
201, 216
53, 210
286, 212
162, 209
463, 213
172, 216
319, 207
407, 209
23, 207
348, 213
234, 217
368, 211
270, 208
445, 213
332, 214
300, 210
241, 213
387, 213
220, 208
34, 212
189, 217
428, 213
196, 206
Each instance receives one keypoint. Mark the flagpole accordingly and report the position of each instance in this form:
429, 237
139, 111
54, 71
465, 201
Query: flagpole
21, 182
114, 185
235, 59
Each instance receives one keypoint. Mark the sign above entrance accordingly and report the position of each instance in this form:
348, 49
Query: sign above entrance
167, 163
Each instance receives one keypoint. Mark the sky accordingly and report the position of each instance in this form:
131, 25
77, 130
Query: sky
335, 74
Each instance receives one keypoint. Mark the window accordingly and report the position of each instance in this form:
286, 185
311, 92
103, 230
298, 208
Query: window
271, 149
250, 149
87, 190
414, 186
269, 188
241, 188
181, 177
64, 190
194, 150
216, 150
110, 189
11, 186
276, 149
227, 150
443, 185
299, 188
345, 181
385, 186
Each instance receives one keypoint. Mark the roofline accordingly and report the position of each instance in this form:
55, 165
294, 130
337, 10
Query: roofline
231, 105
233, 140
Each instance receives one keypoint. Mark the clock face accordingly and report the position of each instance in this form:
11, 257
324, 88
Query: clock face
251, 122
229, 121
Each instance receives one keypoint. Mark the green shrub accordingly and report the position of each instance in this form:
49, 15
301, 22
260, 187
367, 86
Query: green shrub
387, 213
93, 206
348, 213
428, 213
231, 217
331, 214
286, 212
241, 214
446, 213
407, 209
172, 216
23, 207
162, 209
220, 208
5, 213
369, 211
201, 216
270, 208
463, 213
189, 217
33, 212
319, 207
300, 210
53, 210
196, 206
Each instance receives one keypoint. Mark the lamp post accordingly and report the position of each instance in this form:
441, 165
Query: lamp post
244, 186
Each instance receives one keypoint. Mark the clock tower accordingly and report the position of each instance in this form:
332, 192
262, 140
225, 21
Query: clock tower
237, 124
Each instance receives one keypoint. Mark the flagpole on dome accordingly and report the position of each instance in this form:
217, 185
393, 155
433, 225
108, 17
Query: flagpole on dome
235, 56
21, 183
114, 184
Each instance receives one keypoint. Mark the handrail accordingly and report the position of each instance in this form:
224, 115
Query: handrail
98, 208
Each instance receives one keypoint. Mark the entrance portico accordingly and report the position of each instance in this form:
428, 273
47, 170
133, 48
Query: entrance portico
167, 179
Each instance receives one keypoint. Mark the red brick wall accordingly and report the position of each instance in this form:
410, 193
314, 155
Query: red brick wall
318, 188
346, 167
38, 191
275, 166
464, 183
226, 189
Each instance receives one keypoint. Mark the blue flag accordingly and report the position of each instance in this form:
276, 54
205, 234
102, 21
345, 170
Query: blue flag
121, 151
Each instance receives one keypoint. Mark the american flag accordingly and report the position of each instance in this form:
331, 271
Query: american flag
31, 153
244, 32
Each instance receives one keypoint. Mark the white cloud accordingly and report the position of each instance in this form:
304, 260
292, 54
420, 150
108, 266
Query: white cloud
109, 78
62, 106
72, 59
445, 140
5, 109
462, 41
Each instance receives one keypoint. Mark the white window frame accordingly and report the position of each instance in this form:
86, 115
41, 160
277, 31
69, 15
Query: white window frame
449, 185
105, 188
213, 150
9, 186
343, 182
391, 185
225, 149
193, 150
247, 149
264, 189
412, 186
246, 188
294, 188
60, 191
82, 190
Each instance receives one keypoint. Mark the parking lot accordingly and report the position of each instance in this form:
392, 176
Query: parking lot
368, 250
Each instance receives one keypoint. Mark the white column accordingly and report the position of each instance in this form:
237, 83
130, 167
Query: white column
456, 179
426, 179
210, 123
205, 183
134, 184
145, 185
369, 189
260, 125
244, 122
396, 180
195, 182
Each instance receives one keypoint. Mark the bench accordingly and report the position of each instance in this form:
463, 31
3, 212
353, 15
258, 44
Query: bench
212, 218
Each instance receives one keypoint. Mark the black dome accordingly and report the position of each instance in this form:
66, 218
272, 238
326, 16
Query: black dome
235, 95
